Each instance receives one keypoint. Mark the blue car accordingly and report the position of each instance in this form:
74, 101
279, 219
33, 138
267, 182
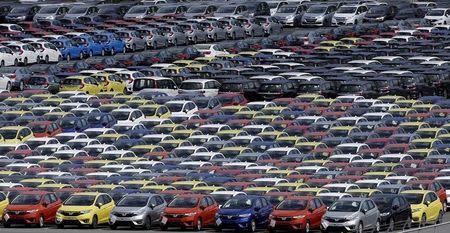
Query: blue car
111, 43
101, 120
73, 124
89, 46
68, 49
244, 213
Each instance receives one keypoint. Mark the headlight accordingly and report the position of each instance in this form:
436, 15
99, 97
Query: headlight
31, 211
141, 211
298, 217
244, 215
290, 17
415, 210
59, 212
85, 211
190, 214
384, 214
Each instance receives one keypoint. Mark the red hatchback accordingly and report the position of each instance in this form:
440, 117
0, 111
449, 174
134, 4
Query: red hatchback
298, 214
190, 211
32, 208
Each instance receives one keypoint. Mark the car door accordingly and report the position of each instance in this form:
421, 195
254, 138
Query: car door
404, 210
159, 209
257, 207
367, 221
204, 213
435, 206
319, 212
266, 210
54, 205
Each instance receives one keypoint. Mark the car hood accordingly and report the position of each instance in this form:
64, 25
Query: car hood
312, 15
343, 15
133, 15
341, 215
288, 213
179, 210
75, 208
15, 15
234, 211
433, 17
375, 15
284, 14
23, 207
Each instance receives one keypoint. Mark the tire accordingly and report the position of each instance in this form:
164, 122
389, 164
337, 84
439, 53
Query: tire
21, 86
423, 221
252, 226
148, 223
25, 61
94, 222
60, 226
377, 227
440, 217
40, 223
16, 62
8, 86
408, 223
113, 227
47, 60
68, 57
307, 227
360, 228
113, 51
391, 226
163, 227
6, 224
444, 206
198, 226
271, 230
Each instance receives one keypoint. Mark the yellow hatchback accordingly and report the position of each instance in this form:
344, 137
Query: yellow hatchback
425, 205
110, 82
15, 134
86, 84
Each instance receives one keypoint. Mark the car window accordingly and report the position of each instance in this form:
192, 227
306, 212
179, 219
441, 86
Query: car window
365, 206
204, 202
318, 203
396, 202
153, 202
53, 198
258, 204
47, 199
433, 197
2, 197
159, 200
312, 205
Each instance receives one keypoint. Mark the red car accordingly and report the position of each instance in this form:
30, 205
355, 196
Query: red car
35, 207
45, 128
297, 214
190, 211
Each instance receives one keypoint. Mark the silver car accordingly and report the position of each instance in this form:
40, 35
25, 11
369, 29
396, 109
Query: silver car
287, 14
194, 32
80, 10
200, 11
351, 215
318, 15
140, 12
252, 28
215, 30
270, 24
234, 28
153, 37
174, 34
132, 39
51, 12
138, 209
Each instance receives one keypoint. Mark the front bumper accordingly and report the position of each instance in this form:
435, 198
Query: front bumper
312, 22
137, 220
31, 218
233, 222
189, 221
83, 219
293, 224
349, 226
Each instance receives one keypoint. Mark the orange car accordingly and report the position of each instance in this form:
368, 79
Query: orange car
298, 214
190, 211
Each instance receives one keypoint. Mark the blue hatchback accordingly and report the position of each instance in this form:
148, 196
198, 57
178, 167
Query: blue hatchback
244, 213
68, 49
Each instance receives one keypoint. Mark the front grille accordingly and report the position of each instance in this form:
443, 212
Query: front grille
70, 213
125, 214
17, 212
283, 218
336, 219
229, 217
175, 215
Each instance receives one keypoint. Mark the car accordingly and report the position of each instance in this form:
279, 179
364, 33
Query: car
191, 210
349, 14
251, 212
21, 13
380, 13
132, 39
395, 211
44, 204
174, 34
87, 84
289, 14
8, 57
364, 212
27, 54
93, 208
68, 49
110, 42
426, 206
150, 206
206, 87
318, 15
51, 12
438, 16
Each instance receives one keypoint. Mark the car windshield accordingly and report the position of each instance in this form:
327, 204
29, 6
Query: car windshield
436, 13
20, 10
184, 202
8, 133
48, 10
270, 88
175, 107
80, 200
165, 10
197, 9
317, 9
287, 9
119, 115
222, 198
226, 9
138, 10
413, 198
345, 206
292, 205
348, 149
350, 88
101, 38
191, 86
388, 190
346, 10
38, 128
238, 203
133, 201
328, 200
26, 199
77, 10
383, 203
377, 10
231, 87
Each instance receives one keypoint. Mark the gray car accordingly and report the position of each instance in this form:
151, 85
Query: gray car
132, 39
138, 209
270, 24
234, 28
318, 15
153, 37
51, 12
194, 32
174, 34
252, 27
214, 30
287, 14
80, 10
140, 12
200, 11
351, 215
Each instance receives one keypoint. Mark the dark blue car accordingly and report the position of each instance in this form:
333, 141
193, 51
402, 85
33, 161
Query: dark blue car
244, 213
68, 49
111, 43
89, 46
100, 120
73, 124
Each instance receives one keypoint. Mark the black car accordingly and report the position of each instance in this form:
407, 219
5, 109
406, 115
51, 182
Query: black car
395, 211
322, 88
247, 87
22, 13
410, 13
365, 89
278, 89
44, 82
112, 11
380, 13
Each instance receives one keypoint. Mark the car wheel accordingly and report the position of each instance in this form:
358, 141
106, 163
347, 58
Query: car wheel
21, 86
163, 227
8, 86
6, 224
252, 226
60, 226
408, 223
2, 63
148, 223
198, 226
360, 228
103, 52
68, 57
40, 222
113, 51
47, 60
391, 226
25, 61
16, 62
307, 227
423, 221
440, 217
271, 230
113, 226
377, 227
444, 206
94, 222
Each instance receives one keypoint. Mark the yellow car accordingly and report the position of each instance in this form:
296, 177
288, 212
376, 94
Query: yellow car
53, 163
363, 192
425, 205
431, 132
90, 208
111, 138
323, 102
184, 63
187, 185
226, 56
53, 187
227, 134
310, 191
343, 131
425, 108
232, 152
389, 99
351, 40
156, 188
230, 110
86, 84
169, 145
378, 175
105, 188
272, 136
289, 187
401, 112
425, 143
421, 153
274, 110
136, 184
98, 163
138, 103
15, 134
109, 107
3, 203
290, 141
143, 149
308, 98
248, 53
16, 100
54, 116
445, 138
259, 191
330, 43
323, 49
316, 162
413, 126
205, 60
307, 147
12, 115
407, 103
168, 128
155, 110
266, 119
110, 82
129, 160
54, 102
184, 134
248, 115
207, 189
35, 182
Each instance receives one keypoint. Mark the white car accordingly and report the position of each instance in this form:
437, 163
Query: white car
128, 77
26, 53
126, 115
8, 57
438, 16
48, 52
154, 84
207, 87
349, 14
210, 50
181, 106
5, 83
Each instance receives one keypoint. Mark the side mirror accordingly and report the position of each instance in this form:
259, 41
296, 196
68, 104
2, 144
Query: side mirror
152, 206
202, 207
364, 211
395, 207
427, 203
257, 208
45, 204
99, 205
310, 209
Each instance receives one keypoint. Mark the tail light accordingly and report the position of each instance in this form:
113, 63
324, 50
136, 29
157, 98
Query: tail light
106, 82
81, 85
20, 51
155, 60
232, 50
128, 62
12, 76
207, 52
210, 28
130, 80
